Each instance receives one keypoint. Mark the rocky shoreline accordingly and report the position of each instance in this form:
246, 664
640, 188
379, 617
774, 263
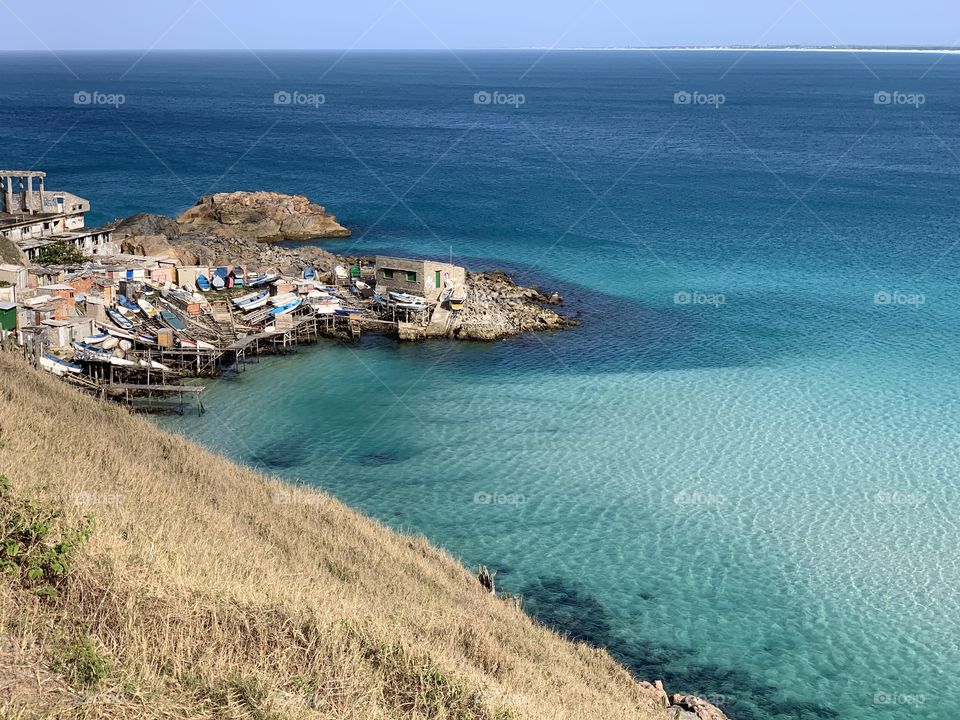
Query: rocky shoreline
230, 229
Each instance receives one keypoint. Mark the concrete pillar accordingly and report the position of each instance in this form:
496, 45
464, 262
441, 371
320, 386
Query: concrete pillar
23, 194
30, 194
42, 197
7, 194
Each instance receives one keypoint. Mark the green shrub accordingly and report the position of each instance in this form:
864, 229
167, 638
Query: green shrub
36, 550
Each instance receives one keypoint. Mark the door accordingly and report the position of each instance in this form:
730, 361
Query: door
436, 279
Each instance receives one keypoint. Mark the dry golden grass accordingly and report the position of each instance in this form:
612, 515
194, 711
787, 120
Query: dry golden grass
207, 590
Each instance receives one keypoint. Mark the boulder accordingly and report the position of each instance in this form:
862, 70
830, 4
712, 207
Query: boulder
10, 253
146, 234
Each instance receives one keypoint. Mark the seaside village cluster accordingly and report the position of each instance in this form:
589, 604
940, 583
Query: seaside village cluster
80, 308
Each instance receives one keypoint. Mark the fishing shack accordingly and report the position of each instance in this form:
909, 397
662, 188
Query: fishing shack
419, 277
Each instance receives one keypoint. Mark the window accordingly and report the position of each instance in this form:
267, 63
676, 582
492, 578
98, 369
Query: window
388, 274
411, 276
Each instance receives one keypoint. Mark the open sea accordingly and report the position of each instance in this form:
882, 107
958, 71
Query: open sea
740, 474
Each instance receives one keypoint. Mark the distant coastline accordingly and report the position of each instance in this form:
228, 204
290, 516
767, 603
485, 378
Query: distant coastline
771, 48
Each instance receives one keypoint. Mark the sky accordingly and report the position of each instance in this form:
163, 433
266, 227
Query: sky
466, 24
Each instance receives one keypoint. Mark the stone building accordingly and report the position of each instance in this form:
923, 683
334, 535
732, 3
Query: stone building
417, 277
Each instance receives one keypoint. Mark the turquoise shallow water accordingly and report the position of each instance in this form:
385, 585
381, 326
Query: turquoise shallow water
754, 498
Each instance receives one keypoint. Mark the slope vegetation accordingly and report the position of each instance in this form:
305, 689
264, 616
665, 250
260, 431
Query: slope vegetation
145, 577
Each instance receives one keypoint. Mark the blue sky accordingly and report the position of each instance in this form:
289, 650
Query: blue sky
370, 24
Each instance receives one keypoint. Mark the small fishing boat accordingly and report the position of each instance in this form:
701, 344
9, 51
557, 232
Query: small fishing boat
154, 365
119, 319
263, 280
362, 289
309, 274
58, 366
148, 309
96, 339
341, 272
115, 332
127, 304
458, 297
203, 283
253, 300
258, 303
196, 344
282, 299
288, 308
349, 312
218, 282
245, 299
172, 320
110, 343
125, 345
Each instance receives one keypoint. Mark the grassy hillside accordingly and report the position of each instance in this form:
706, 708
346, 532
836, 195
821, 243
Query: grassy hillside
205, 590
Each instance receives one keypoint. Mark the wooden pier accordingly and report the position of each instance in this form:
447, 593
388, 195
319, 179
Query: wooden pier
131, 390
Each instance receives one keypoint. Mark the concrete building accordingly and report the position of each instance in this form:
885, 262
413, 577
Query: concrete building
417, 277
36, 217
92, 242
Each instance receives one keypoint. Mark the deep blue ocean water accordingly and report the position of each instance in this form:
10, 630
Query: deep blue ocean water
740, 473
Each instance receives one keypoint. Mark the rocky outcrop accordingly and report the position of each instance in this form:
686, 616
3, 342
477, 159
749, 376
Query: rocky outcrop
691, 707
10, 253
151, 235
262, 216
497, 307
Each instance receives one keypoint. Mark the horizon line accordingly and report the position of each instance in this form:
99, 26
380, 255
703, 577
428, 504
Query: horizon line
534, 48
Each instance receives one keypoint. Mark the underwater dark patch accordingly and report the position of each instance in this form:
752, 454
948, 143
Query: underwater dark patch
577, 614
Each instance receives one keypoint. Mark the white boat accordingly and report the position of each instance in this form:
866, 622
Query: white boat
59, 366
243, 299
254, 304
287, 308
341, 272
148, 309
110, 343
125, 345
154, 365
283, 299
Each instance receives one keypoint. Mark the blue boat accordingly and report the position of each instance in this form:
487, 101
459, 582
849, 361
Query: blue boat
122, 299
172, 320
288, 308
119, 320
309, 274
348, 312
203, 284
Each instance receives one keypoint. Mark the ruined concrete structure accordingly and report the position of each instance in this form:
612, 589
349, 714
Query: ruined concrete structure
34, 217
